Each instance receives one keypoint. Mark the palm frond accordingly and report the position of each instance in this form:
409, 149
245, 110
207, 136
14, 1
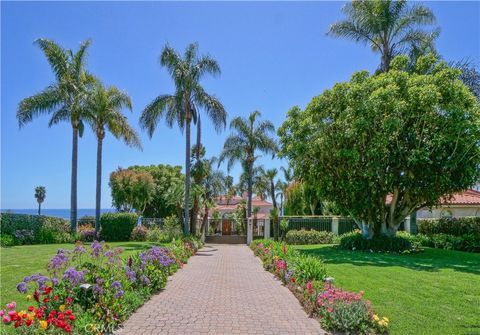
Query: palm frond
152, 114
212, 106
46, 101
57, 57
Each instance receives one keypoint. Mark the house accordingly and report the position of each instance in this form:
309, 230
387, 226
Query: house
227, 205
462, 204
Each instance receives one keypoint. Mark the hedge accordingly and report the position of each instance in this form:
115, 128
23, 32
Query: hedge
450, 226
355, 241
27, 229
309, 237
117, 226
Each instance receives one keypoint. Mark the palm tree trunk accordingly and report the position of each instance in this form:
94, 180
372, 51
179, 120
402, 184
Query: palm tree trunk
73, 191
196, 202
250, 186
186, 221
39, 207
99, 186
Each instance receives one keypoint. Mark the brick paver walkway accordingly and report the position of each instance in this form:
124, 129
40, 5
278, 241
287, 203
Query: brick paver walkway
222, 290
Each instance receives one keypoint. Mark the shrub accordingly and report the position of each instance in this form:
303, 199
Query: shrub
309, 237
86, 233
29, 229
139, 233
7, 241
117, 226
346, 312
172, 228
467, 242
355, 241
451, 226
308, 268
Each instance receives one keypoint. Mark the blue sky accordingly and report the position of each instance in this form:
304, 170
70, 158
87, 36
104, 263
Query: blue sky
273, 55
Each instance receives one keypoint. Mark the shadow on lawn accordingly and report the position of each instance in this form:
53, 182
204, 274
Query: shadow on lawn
430, 260
135, 246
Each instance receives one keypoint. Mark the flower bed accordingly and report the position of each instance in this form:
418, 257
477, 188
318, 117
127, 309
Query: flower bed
92, 289
336, 310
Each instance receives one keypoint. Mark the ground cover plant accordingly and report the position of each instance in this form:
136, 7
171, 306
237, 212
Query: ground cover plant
98, 286
433, 292
336, 309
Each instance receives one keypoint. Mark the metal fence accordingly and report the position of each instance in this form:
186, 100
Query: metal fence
319, 223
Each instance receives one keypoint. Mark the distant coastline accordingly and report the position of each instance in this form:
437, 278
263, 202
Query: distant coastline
61, 213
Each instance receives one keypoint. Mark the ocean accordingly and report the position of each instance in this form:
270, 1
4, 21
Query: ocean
61, 213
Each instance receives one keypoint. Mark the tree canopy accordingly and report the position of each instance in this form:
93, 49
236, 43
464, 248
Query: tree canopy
382, 146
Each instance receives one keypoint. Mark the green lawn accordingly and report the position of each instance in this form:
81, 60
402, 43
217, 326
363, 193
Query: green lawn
434, 292
18, 262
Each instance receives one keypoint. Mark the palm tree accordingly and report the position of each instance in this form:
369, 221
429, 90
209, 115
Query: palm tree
250, 135
270, 176
40, 195
183, 106
390, 27
64, 99
103, 111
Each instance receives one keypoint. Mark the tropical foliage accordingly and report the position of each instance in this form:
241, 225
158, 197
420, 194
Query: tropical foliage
250, 135
386, 145
390, 27
40, 195
103, 111
63, 100
184, 105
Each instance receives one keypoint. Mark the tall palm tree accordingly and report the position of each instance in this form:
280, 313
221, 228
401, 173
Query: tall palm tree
40, 195
103, 112
390, 27
270, 176
250, 135
183, 106
63, 99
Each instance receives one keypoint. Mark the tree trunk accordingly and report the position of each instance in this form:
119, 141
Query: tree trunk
272, 194
198, 179
73, 191
186, 222
204, 224
39, 207
250, 186
98, 187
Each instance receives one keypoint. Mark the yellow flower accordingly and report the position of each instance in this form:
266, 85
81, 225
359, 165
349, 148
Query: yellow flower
22, 313
29, 297
31, 315
382, 323
43, 324
61, 308
376, 318
385, 319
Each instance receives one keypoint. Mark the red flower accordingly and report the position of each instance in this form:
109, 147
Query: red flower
46, 300
69, 300
36, 295
68, 312
55, 297
61, 316
71, 317
30, 308
68, 328
29, 322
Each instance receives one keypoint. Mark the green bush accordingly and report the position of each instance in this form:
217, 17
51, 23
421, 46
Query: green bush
467, 242
355, 241
308, 268
450, 226
28, 229
117, 226
7, 241
309, 237
139, 233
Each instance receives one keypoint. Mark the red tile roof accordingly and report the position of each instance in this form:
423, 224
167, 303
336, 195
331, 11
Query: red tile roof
468, 197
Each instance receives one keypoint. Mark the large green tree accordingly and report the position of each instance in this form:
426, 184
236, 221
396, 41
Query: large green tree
384, 146
184, 105
250, 136
103, 112
389, 27
64, 100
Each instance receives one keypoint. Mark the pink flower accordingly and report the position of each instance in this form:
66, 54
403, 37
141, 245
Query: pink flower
329, 309
310, 287
2, 312
6, 319
12, 305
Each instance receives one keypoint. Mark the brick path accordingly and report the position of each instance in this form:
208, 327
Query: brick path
222, 290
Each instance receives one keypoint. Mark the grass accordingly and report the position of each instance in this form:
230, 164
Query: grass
434, 292
20, 261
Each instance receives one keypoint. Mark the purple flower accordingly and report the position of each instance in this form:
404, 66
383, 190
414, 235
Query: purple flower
55, 281
98, 287
96, 248
58, 261
131, 275
22, 287
79, 249
144, 279
118, 286
73, 276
